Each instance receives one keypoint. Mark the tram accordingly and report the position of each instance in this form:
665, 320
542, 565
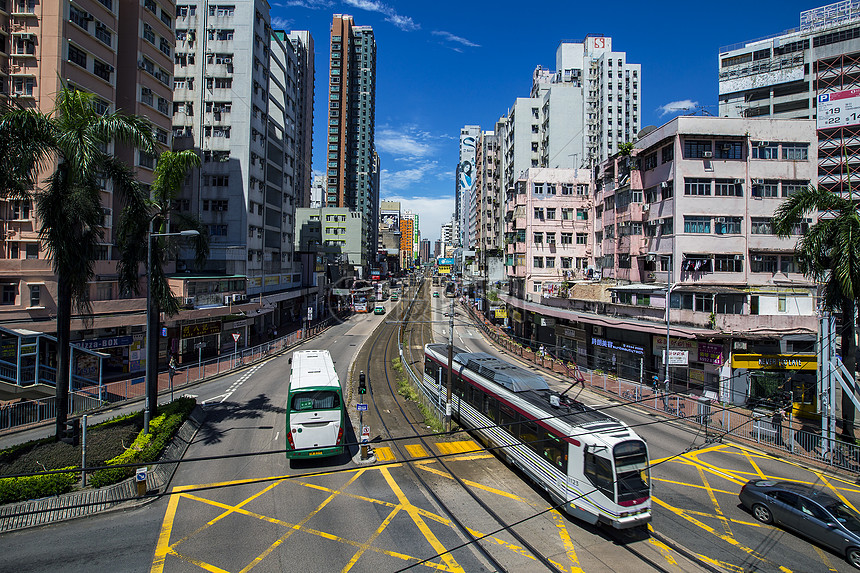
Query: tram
585, 459
315, 408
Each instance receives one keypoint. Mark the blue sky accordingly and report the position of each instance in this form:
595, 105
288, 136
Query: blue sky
445, 64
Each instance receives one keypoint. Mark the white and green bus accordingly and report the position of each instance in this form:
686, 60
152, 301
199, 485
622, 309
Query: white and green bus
315, 408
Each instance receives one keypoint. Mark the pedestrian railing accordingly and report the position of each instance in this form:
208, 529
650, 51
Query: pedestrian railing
84, 399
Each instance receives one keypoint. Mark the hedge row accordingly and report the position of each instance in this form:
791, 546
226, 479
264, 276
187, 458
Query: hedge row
146, 447
35, 487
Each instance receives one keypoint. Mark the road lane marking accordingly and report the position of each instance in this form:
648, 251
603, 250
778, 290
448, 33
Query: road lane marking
754, 465
836, 491
566, 541
162, 547
300, 524
824, 558
416, 450
372, 538
691, 485
437, 546
716, 504
727, 566
664, 549
728, 539
461, 447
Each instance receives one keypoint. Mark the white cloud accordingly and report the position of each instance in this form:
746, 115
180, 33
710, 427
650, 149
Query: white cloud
405, 178
432, 212
281, 23
456, 39
405, 23
402, 142
310, 4
677, 106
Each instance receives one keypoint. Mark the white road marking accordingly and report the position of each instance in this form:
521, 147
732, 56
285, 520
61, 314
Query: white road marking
235, 385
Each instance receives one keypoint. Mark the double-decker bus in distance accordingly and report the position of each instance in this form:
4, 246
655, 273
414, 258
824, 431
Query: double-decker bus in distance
315, 408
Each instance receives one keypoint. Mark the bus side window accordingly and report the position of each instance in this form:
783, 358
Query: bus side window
490, 407
508, 420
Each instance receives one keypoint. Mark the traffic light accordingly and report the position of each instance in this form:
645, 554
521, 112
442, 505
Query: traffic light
72, 432
362, 383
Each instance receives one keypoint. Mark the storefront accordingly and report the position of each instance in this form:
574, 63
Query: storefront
572, 342
764, 380
125, 353
199, 340
618, 352
701, 372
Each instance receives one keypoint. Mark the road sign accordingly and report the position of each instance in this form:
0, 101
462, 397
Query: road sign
236, 337
838, 109
365, 434
310, 313
361, 407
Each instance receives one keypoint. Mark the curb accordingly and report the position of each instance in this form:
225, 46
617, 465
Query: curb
123, 495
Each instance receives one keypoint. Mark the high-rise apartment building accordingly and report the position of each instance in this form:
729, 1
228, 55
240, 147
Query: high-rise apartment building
783, 74
464, 208
241, 96
122, 53
352, 170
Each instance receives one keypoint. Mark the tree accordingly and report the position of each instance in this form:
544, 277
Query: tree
156, 216
70, 140
829, 253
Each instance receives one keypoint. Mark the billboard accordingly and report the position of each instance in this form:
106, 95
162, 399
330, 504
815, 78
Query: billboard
390, 221
839, 109
444, 261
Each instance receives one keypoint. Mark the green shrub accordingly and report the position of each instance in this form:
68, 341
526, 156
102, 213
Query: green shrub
35, 487
146, 447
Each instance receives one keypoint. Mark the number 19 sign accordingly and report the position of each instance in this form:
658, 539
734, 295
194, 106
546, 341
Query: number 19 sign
839, 109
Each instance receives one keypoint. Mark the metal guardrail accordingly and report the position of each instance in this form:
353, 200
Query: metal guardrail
89, 398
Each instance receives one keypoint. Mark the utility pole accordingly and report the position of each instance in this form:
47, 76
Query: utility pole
450, 365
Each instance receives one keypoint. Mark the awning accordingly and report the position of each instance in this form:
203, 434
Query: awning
710, 289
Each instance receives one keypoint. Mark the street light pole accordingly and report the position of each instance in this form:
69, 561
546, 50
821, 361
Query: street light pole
152, 350
668, 313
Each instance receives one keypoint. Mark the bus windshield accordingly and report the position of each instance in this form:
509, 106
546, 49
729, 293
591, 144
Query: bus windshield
631, 466
315, 400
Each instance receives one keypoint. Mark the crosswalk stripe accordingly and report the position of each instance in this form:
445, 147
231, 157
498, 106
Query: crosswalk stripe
457, 447
383, 454
416, 451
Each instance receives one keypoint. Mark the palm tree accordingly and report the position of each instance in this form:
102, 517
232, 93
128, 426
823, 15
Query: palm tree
155, 216
829, 253
70, 140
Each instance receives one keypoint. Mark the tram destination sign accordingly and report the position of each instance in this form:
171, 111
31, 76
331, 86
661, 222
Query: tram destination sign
839, 109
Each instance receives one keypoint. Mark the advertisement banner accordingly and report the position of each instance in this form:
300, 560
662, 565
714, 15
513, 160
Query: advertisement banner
839, 109
444, 261
710, 353
676, 357
501, 313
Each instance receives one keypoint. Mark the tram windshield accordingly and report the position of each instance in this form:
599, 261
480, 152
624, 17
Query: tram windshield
631, 467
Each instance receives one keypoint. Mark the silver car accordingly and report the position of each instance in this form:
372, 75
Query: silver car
805, 510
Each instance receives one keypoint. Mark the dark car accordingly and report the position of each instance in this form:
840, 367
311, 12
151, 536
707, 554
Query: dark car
805, 510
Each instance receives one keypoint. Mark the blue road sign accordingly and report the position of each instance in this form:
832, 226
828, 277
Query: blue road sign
361, 407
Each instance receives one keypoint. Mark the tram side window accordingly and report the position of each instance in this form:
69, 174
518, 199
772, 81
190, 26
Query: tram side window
508, 420
458, 387
530, 434
554, 450
491, 408
474, 397
431, 370
598, 470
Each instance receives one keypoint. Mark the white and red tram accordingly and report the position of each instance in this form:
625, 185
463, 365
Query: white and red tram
583, 458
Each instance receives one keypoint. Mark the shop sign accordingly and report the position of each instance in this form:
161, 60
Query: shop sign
697, 376
518, 316
340, 291
272, 280
255, 282
775, 361
617, 345
444, 269
501, 312
678, 343
237, 324
710, 353
202, 329
677, 357
110, 342
568, 332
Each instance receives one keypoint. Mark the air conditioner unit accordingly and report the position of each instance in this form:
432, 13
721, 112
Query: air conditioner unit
141, 64
739, 257
189, 301
726, 147
646, 207
758, 181
707, 154
720, 220
598, 330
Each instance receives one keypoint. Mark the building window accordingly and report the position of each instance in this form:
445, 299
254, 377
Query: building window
77, 56
538, 238
695, 224
35, 295
763, 263
795, 151
148, 34
550, 262
582, 238
550, 213
728, 188
787, 264
539, 213
727, 225
728, 263
102, 70
765, 188
538, 262
729, 150
667, 153
761, 226
9, 294
32, 251
567, 238
790, 188
696, 186
765, 150
697, 149
566, 262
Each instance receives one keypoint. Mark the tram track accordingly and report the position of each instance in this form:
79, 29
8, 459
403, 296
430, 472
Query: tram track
411, 331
